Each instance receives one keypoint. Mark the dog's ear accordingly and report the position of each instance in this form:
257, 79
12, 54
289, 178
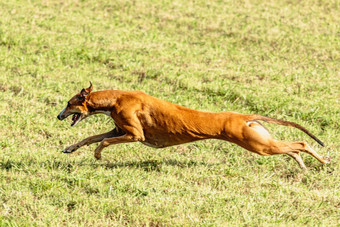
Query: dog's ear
87, 91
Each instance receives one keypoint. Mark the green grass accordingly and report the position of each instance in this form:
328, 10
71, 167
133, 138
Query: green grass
276, 58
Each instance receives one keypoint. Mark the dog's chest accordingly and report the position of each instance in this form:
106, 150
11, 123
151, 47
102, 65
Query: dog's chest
152, 140
154, 144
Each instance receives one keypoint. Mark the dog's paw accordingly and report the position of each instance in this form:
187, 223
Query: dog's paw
98, 156
327, 160
67, 150
70, 149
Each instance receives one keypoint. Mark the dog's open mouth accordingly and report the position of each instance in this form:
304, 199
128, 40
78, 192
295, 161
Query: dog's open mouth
75, 119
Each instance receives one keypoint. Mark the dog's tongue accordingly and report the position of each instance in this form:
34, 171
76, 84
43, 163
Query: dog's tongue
74, 119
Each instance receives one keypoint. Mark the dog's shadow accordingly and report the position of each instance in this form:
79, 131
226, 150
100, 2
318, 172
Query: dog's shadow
149, 165
146, 165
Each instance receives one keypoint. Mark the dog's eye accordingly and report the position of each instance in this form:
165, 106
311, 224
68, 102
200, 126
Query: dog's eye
68, 104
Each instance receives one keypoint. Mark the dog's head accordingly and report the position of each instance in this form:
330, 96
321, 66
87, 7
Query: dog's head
77, 107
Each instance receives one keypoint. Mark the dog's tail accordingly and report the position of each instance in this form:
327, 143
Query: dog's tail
255, 117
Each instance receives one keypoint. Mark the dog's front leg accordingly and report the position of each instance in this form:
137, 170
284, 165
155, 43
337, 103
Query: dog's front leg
115, 140
93, 139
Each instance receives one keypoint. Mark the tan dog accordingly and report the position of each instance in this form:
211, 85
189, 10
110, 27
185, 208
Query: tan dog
142, 118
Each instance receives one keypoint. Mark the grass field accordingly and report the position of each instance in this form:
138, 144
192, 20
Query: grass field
275, 58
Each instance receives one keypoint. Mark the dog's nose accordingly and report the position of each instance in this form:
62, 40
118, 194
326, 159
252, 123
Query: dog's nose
59, 117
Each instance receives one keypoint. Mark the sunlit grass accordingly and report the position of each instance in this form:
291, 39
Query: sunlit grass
276, 58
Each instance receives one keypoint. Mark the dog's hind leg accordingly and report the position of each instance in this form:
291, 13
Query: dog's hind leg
257, 139
297, 158
304, 147
279, 147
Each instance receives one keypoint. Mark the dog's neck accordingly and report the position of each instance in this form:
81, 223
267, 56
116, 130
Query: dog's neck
101, 101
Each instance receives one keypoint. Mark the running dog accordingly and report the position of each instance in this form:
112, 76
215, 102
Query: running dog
139, 117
